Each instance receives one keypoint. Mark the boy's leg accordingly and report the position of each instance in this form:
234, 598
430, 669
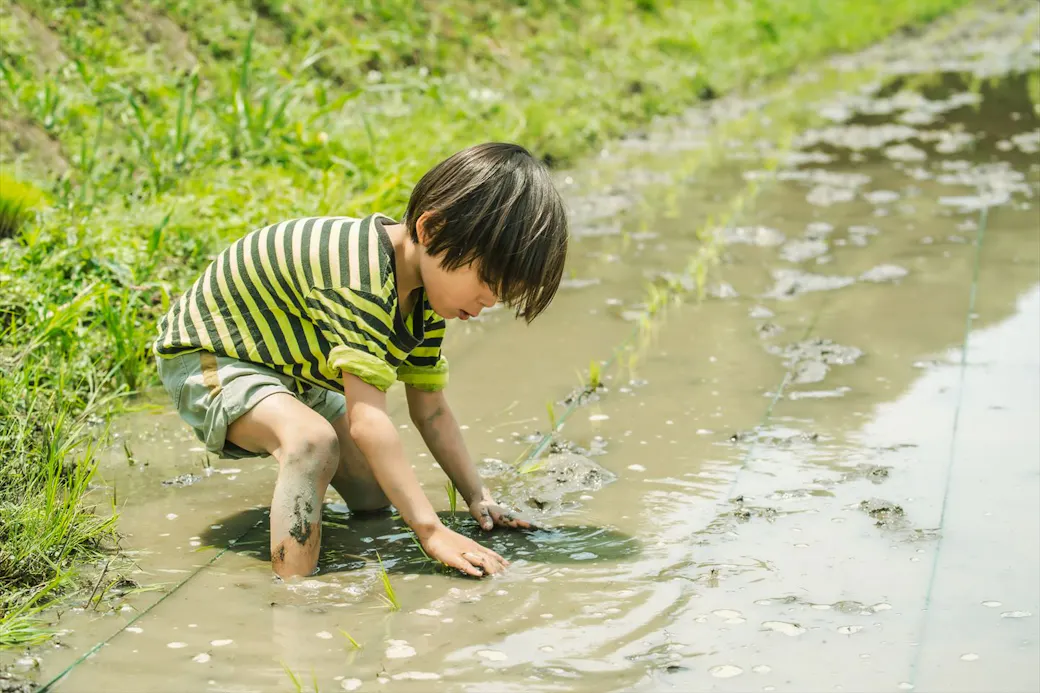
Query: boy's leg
353, 479
308, 453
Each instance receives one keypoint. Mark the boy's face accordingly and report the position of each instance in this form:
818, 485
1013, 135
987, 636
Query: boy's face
457, 293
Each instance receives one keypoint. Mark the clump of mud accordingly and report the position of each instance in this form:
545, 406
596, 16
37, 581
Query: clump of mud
884, 273
871, 472
888, 514
561, 474
790, 283
811, 359
780, 438
803, 249
742, 512
9, 683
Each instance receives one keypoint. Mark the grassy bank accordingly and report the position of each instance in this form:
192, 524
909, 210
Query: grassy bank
138, 137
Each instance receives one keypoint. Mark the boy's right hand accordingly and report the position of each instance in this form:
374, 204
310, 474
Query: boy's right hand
462, 553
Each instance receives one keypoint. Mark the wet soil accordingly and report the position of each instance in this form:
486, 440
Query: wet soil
710, 517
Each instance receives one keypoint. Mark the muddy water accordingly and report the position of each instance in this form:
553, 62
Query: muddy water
826, 480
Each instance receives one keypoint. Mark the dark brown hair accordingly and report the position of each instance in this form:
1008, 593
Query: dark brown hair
494, 204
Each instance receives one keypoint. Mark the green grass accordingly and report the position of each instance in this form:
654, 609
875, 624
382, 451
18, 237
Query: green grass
154, 143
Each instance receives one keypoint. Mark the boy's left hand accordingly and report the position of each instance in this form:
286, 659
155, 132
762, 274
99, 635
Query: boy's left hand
490, 514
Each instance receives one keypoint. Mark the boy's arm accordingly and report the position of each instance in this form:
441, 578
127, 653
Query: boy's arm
375, 435
439, 429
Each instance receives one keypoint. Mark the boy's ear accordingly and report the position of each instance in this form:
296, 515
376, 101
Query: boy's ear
423, 227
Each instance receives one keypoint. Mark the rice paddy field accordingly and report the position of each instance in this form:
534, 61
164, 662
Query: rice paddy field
776, 424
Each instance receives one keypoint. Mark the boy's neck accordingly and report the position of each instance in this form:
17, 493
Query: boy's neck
406, 260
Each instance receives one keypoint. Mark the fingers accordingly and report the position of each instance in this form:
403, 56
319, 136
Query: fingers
464, 564
486, 560
507, 518
487, 523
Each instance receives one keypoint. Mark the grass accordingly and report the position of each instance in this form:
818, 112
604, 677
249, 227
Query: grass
150, 153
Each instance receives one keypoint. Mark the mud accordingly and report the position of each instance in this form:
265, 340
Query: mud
556, 483
709, 523
809, 361
791, 283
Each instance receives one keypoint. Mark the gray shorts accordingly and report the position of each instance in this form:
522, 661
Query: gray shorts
210, 392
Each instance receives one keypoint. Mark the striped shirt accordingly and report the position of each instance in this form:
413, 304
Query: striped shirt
313, 298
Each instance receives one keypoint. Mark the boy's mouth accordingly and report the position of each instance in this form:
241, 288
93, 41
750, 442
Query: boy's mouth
463, 315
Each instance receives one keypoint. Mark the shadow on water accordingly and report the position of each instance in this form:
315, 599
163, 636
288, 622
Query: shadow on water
351, 542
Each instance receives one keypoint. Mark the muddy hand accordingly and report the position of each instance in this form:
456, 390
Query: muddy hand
457, 551
490, 514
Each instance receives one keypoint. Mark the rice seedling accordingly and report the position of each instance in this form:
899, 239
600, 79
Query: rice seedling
595, 375
389, 595
354, 643
550, 408
293, 678
453, 497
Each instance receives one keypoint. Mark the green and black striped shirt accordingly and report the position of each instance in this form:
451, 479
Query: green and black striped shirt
313, 298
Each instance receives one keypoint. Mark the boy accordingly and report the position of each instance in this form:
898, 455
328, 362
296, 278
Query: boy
287, 343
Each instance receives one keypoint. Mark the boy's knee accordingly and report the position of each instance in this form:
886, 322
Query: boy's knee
316, 453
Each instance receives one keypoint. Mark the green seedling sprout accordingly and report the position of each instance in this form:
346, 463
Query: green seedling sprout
594, 375
297, 684
453, 496
356, 645
390, 596
550, 407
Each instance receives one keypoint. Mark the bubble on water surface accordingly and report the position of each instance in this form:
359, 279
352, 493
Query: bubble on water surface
761, 669
201, 658
992, 604
492, 655
350, 684
725, 671
969, 657
727, 613
176, 645
324, 635
849, 630
134, 629
1016, 614
221, 643
637, 467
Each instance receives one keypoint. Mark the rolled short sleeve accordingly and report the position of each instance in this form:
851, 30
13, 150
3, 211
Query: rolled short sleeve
358, 326
426, 368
